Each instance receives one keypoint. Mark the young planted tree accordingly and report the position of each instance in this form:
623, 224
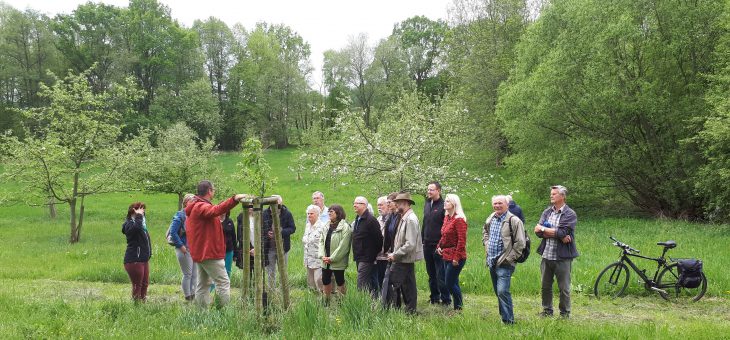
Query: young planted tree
71, 147
253, 170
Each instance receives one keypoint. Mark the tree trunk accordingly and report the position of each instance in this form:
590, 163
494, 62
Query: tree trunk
81, 220
74, 231
72, 205
180, 196
245, 246
258, 253
52, 208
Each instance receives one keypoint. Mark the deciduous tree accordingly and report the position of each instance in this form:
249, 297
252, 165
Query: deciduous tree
72, 146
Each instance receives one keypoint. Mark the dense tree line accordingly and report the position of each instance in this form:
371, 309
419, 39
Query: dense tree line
226, 83
625, 101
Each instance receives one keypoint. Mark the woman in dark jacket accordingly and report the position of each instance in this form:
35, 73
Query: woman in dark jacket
229, 231
139, 250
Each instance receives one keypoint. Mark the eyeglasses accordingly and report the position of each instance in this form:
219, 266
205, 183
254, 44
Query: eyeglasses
359, 203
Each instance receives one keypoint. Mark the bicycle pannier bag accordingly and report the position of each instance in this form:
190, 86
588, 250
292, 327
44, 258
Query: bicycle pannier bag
690, 273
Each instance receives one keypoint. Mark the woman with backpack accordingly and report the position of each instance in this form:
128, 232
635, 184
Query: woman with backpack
139, 250
178, 238
452, 246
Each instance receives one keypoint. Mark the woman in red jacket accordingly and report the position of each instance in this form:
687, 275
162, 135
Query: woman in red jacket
452, 246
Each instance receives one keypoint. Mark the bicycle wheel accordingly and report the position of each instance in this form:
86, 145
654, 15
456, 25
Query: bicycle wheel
612, 281
668, 281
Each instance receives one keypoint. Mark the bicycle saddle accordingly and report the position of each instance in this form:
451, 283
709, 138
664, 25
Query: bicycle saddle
669, 244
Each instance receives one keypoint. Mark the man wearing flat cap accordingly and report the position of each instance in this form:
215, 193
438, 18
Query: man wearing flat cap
407, 249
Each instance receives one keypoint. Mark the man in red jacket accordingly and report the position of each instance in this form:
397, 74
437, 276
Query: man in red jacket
207, 243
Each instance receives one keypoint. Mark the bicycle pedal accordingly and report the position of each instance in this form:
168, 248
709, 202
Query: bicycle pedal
658, 290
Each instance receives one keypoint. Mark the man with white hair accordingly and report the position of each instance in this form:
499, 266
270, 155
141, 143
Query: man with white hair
287, 229
557, 230
504, 240
367, 242
318, 200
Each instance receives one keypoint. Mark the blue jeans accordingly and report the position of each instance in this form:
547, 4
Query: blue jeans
452, 281
501, 278
436, 277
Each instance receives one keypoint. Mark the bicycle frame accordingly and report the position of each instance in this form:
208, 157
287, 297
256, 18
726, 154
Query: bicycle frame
661, 263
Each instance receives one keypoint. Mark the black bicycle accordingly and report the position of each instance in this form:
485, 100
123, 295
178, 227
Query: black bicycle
614, 279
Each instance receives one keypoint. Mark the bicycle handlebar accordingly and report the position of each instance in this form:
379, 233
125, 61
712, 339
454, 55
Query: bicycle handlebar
623, 246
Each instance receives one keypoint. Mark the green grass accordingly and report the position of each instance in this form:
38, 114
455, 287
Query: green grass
55, 290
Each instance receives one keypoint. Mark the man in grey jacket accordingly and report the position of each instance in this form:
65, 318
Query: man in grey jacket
504, 241
407, 249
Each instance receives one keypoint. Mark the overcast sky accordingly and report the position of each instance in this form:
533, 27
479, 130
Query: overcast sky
324, 24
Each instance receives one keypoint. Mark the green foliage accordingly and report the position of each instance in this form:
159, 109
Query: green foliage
91, 35
714, 177
194, 105
178, 162
481, 53
416, 142
602, 95
26, 42
72, 149
253, 169
271, 73
422, 41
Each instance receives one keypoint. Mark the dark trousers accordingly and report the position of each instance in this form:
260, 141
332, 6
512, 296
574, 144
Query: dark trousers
436, 275
365, 277
560, 271
403, 281
379, 273
139, 274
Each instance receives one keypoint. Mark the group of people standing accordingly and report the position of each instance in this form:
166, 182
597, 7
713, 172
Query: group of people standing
384, 248
200, 244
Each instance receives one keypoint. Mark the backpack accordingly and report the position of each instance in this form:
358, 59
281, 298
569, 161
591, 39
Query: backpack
180, 232
690, 273
525, 252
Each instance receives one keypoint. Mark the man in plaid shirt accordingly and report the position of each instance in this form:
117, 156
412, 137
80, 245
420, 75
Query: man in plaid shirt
557, 230
504, 239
